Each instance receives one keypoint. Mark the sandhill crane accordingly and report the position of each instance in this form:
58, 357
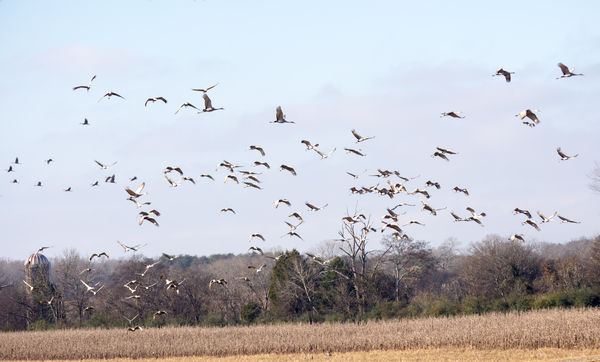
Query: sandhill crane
353, 175
324, 155
228, 165
185, 104
529, 114
252, 178
207, 176
524, 212
172, 182
475, 216
452, 114
356, 152
259, 269
136, 328
171, 169
147, 213
456, 217
110, 94
359, 138
293, 233
232, 177
546, 219
258, 163
10, 169
474, 219
566, 72
504, 73
391, 226
221, 282
138, 192
48, 161
85, 122
137, 203
86, 87
49, 302
440, 155
189, 179
287, 168
257, 148
413, 222
280, 117
431, 183
204, 90
282, 201
90, 289
130, 320
16, 162
308, 145
110, 179
158, 314
105, 166
446, 151
256, 248
15, 181
246, 279
531, 223
276, 258
256, 235
228, 209
419, 191
86, 270
96, 184
208, 107
132, 290
148, 267
42, 249
38, 184
297, 216
133, 178
292, 226
169, 257
565, 220
315, 208
31, 288
131, 248
458, 189
426, 207
147, 287
149, 219
514, 237
250, 184
99, 255
154, 99
248, 173
89, 309
564, 157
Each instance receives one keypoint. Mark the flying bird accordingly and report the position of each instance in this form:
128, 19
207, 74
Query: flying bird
531, 223
282, 201
259, 269
359, 138
207, 176
565, 220
158, 314
204, 90
110, 94
563, 156
546, 219
529, 114
296, 215
524, 212
85, 122
313, 207
288, 168
356, 152
149, 219
256, 235
258, 148
171, 169
105, 166
110, 179
208, 107
566, 72
308, 145
169, 257
446, 151
221, 282
31, 288
138, 192
258, 163
130, 248
440, 155
98, 255
86, 87
256, 248
514, 237
186, 104
464, 191
280, 117
228, 209
504, 73
154, 100
452, 114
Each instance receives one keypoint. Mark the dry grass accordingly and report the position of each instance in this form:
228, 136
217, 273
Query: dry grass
577, 329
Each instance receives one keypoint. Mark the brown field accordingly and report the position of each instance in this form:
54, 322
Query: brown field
538, 335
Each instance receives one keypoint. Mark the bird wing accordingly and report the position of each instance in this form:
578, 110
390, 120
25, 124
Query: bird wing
564, 69
100, 164
279, 114
207, 102
561, 153
139, 189
356, 135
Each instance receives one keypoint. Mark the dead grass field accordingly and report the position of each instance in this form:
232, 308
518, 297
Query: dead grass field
574, 333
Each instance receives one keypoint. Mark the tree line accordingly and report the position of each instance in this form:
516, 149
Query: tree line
346, 281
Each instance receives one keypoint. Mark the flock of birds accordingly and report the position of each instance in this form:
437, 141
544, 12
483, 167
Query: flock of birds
240, 175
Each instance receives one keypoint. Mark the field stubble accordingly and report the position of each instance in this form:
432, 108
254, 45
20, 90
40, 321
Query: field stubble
563, 329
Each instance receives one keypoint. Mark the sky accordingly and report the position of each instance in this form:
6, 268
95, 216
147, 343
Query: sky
387, 69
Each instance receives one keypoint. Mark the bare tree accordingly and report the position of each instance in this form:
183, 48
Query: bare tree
595, 177
354, 239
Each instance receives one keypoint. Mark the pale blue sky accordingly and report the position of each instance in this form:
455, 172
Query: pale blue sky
387, 69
